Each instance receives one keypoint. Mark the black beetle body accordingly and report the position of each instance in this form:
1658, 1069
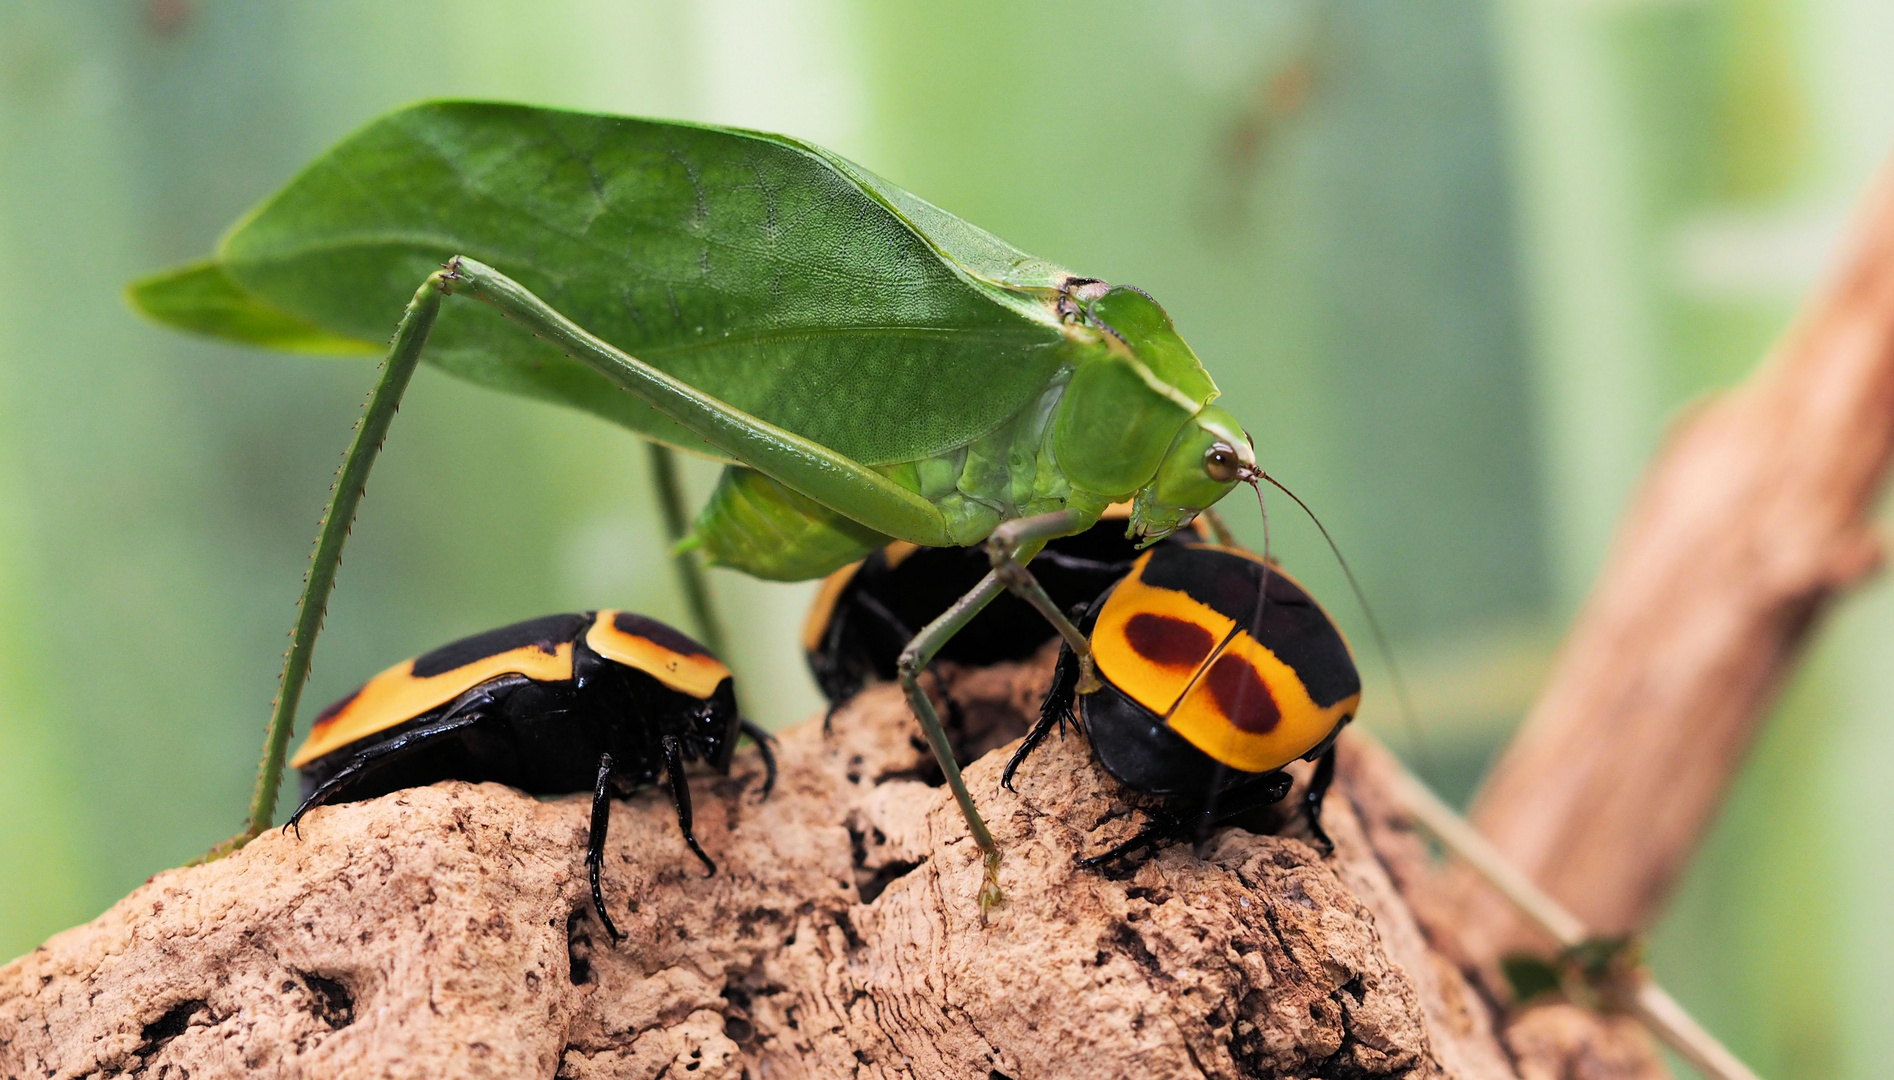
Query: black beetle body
606, 702
866, 613
1206, 693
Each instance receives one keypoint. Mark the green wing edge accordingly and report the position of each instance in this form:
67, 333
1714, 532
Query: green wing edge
200, 297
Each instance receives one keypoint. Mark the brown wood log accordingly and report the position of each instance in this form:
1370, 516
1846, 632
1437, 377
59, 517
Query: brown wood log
1755, 515
447, 931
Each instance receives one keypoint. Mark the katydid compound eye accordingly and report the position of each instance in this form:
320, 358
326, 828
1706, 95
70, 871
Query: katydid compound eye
1220, 463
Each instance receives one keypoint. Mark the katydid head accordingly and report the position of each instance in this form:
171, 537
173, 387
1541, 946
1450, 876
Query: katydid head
1210, 455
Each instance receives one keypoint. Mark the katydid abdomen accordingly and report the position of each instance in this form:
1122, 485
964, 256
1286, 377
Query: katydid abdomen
757, 525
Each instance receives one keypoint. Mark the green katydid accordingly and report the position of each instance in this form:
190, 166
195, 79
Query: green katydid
870, 366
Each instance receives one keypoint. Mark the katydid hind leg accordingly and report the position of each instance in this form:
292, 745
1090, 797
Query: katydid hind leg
817, 472
403, 356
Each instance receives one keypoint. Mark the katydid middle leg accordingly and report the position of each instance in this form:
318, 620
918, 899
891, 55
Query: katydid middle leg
914, 660
1010, 574
690, 577
1004, 547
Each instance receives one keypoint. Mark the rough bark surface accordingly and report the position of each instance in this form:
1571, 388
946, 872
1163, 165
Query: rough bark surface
446, 931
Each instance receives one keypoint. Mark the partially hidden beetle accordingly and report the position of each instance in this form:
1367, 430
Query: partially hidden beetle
865, 613
1218, 670
603, 701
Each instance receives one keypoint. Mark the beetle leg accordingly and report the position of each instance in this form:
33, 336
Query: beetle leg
681, 797
1226, 803
595, 840
367, 761
764, 746
1207, 820
1033, 738
1312, 799
1160, 826
1056, 709
914, 659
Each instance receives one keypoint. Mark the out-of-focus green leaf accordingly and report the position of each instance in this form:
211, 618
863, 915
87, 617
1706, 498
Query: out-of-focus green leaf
201, 298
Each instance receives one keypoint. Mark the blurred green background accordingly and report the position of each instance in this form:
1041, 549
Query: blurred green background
1456, 264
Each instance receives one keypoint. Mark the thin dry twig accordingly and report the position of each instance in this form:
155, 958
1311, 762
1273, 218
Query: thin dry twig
1644, 999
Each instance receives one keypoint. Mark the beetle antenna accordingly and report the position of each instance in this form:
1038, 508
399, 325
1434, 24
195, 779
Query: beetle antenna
1382, 645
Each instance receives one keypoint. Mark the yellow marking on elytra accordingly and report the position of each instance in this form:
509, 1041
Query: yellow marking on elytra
1156, 682
697, 675
395, 696
815, 625
898, 552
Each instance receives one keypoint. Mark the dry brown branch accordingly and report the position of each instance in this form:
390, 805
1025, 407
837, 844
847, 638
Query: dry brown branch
1755, 516
446, 931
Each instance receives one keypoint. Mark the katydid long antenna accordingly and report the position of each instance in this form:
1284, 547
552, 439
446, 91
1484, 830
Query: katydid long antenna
1639, 994
1256, 624
1409, 717
1256, 620
1204, 665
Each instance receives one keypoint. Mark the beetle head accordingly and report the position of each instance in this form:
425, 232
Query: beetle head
1209, 456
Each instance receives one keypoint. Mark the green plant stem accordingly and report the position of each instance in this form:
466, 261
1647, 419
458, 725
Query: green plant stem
345, 497
690, 575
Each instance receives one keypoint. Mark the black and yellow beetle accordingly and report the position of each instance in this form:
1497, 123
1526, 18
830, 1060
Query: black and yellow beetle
866, 613
598, 701
1206, 693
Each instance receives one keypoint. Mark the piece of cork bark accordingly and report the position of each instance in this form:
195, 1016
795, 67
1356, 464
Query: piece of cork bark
448, 931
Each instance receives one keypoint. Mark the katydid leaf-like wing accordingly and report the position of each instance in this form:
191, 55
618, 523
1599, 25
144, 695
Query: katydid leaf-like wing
780, 278
200, 297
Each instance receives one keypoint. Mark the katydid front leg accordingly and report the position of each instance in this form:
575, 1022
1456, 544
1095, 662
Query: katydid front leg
1008, 573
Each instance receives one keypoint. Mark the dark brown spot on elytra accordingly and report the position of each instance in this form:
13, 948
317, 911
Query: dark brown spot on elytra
1168, 641
657, 633
1242, 695
325, 716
